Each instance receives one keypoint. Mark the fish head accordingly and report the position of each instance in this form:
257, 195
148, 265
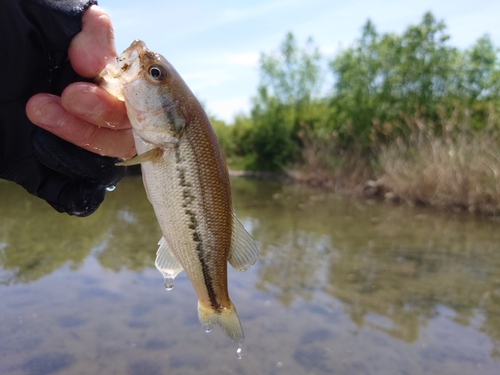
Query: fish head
154, 93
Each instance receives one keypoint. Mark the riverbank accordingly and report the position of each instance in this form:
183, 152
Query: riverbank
459, 174
408, 118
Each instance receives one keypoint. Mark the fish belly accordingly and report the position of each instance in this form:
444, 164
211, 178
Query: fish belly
192, 203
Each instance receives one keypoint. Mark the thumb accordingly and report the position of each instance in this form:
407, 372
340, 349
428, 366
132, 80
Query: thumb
92, 47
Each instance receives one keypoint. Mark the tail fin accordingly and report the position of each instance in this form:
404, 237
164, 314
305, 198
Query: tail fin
227, 319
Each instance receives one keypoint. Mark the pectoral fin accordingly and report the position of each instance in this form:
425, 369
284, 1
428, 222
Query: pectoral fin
167, 263
150, 155
244, 251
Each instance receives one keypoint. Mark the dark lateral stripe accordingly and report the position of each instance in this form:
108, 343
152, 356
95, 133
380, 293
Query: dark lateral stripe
204, 269
188, 198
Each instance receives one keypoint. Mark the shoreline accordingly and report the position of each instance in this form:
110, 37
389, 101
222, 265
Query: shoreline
369, 189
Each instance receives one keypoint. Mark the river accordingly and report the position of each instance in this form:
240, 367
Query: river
342, 286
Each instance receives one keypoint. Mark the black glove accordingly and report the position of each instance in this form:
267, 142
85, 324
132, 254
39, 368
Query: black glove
37, 34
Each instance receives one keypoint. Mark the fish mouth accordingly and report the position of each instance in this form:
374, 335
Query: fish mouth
131, 54
136, 46
122, 71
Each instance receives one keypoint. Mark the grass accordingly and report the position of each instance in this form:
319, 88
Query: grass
323, 164
460, 172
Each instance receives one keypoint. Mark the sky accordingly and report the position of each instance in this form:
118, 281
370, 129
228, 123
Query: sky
216, 45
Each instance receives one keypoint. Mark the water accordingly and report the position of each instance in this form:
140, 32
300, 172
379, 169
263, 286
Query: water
239, 352
168, 283
341, 287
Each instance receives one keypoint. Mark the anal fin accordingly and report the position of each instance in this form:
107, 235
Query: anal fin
166, 262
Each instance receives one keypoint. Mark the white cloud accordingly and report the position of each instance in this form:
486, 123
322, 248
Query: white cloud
204, 79
243, 59
227, 109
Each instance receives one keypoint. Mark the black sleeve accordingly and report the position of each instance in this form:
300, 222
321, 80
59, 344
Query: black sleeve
35, 36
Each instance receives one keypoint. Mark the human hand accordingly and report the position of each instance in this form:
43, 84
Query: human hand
38, 37
85, 114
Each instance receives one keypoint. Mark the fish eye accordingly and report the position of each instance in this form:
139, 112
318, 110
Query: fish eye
157, 73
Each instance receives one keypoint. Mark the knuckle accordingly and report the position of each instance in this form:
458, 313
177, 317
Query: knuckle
90, 136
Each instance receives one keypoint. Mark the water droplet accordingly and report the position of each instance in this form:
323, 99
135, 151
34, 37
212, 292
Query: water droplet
239, 352
169, 283
111, 188
208, 330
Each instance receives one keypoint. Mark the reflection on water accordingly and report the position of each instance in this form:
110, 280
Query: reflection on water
341, 287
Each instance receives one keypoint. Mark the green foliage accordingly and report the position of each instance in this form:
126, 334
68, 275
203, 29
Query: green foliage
385, 79
292, 75
387, 87
285, 108
481, 71
480, 84
224, 135
272, 137
386, 84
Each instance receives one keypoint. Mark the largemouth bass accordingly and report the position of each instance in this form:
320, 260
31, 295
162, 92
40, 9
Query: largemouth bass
186, 180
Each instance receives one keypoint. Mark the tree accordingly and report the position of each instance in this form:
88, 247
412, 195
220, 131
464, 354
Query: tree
292, 76
282, 109
385, 79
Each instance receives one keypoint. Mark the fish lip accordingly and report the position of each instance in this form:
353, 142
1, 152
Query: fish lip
115, 74
99, 79
136, 46
128, 57
123, 62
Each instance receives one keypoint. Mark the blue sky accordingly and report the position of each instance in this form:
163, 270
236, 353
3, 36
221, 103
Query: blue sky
215, 45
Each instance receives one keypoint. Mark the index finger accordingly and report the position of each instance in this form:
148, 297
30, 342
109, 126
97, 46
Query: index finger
95, 105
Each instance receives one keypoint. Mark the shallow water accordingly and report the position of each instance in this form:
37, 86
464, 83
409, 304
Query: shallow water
341, 287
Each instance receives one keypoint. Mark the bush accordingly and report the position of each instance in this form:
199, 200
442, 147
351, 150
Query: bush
389, 91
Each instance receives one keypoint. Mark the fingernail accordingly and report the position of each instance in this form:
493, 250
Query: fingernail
85, 103
49, 114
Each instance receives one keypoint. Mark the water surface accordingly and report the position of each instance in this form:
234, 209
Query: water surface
341, 287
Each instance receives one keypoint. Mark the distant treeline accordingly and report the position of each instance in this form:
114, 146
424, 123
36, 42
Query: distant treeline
409, 111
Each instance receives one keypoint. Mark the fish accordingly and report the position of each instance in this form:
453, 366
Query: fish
186, 180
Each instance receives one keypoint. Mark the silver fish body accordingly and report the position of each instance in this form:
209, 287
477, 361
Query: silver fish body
186, 179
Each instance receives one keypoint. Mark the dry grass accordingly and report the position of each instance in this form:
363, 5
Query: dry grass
457, 170
324, 165
461, 172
